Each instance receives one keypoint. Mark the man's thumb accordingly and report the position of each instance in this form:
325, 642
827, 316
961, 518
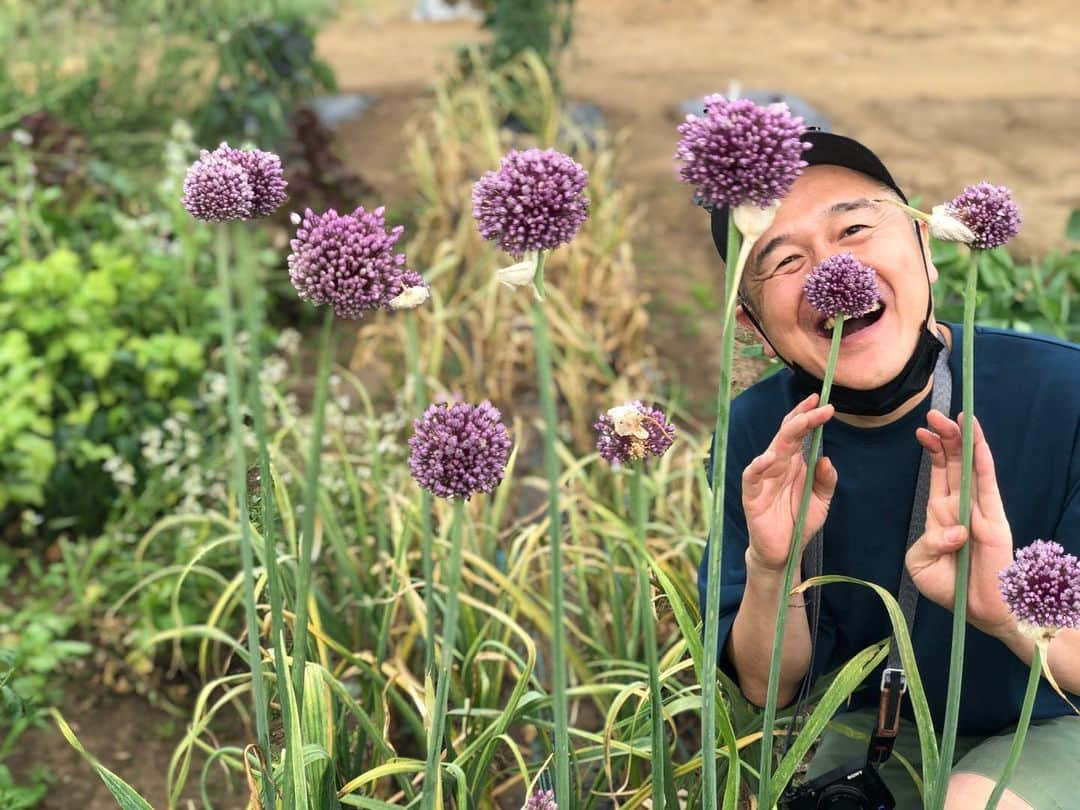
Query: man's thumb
933, 544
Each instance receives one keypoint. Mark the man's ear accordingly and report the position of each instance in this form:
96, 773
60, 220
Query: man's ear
924, 233
747, 324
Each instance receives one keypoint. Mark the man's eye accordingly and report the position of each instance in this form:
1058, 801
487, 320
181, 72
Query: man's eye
852, 230
786, 260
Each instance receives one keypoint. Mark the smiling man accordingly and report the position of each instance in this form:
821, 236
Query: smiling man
876, 428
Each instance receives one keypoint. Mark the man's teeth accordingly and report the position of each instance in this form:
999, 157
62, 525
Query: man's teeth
830, 322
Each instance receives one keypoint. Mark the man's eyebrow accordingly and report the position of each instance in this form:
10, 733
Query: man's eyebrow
770, 246
850, 205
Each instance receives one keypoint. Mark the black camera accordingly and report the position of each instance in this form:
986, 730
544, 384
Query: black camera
856, 786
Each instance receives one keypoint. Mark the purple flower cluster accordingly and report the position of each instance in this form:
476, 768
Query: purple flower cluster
535, 201
989, 211
229, 184
459, 449
842, 285
631, 432
348, 261
740, 152
541, 800
1042, 586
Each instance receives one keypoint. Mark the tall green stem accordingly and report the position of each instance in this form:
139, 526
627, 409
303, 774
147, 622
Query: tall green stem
963, 556
1021, 730
446, 662
794, 554
648, 626
716, 537
558, 633
412, 349
239, 476
311, 498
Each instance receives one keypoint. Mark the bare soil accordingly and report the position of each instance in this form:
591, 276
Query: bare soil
947, 93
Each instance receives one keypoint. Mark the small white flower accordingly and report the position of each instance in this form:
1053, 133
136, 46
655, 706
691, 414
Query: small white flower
752, 221
411, 297
946, 227
295, 218
520, 273
627, 421
21, 136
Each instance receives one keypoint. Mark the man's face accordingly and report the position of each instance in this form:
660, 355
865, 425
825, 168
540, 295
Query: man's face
830, 210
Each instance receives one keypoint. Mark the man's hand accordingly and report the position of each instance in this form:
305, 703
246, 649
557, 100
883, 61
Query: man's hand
773, 484
931, 560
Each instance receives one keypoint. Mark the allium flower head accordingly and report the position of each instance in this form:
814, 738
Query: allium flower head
347, 261
217, 190
264, 173
535, 201
459, 449
990, 213
740, 152
632, 431
842, 285
541, 800
1042, 587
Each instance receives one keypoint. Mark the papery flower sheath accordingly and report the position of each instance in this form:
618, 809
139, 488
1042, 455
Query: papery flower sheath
1042, 588
631, 432
217, 190
535, 201
989, 211
740, 152
842, 285
459, 449
541, 800
347, 261
263, 170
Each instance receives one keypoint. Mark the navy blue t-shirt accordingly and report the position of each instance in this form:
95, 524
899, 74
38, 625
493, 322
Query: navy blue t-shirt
1027, 398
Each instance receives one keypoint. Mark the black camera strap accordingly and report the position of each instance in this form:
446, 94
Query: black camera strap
893, 679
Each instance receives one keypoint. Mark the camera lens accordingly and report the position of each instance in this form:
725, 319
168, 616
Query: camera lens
843, 797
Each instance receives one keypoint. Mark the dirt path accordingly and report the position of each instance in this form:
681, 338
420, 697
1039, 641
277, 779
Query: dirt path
948, 94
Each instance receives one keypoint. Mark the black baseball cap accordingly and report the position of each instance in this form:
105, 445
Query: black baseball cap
826, 148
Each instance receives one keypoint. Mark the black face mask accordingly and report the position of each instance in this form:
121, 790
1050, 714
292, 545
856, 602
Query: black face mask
888, 396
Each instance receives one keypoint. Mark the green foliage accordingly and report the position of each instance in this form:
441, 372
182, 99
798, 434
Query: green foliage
1028, 296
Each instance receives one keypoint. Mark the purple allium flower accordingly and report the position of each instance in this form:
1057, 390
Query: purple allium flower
1042, 586
740, 152
216, 190
541, 800
632, 431
263, 173
346, 261
535, 201
989, 211
459, 449
842, 285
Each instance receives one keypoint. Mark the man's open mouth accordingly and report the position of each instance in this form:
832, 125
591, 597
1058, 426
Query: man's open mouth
852, 325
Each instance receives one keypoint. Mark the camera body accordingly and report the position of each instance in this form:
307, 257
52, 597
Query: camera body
855, 786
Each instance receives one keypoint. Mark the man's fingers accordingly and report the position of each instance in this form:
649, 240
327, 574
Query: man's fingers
950, 435
985, 490
788, 440
825, 478
931, 442
802, 407
933, 545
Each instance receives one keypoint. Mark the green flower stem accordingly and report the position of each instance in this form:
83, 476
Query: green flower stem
716, 537
648, 625
239, 482
446, 663
558, 626
311, 499
1021, 729
538, 276
794, 554
963, 556
412, 349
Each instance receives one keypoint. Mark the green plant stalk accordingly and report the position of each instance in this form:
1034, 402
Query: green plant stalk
253, 319
311, 494
1021, 730
239, 476
963, 555
765, 799
716, 539
559, 700
412, 349
660, 763
446, 662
